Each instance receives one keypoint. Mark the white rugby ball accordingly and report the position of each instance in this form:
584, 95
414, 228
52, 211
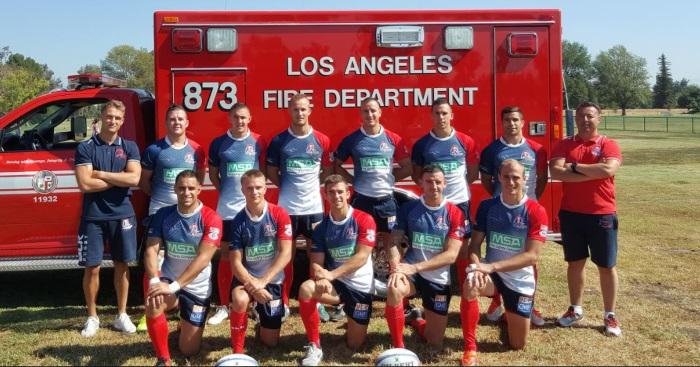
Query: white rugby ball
236, 360
398, 357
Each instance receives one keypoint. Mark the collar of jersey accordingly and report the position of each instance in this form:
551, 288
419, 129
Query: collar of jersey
344, 219
99, 141
228, 132
521, 203
452, 134
167, 141
442, 204
591, 141
311, 131
254, 218
199, 208
504, 142
381, 130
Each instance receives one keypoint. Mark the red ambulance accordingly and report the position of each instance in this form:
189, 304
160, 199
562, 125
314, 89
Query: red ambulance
480, 60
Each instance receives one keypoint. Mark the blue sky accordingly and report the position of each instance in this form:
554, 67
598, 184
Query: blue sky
68, 34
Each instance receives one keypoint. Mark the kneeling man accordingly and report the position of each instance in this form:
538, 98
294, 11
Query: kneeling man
341, 269
191, 233
515, 228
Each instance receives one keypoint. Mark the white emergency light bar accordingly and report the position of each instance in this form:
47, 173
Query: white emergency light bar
400, 36
81, 81
459, 38
222, 40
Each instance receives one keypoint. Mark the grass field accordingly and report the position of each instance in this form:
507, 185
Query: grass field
658, 305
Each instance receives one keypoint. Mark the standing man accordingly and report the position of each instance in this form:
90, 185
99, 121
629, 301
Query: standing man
230, 156
297, 159
587, 163
162, 161
515, 228
435, 229
458, 156
342, 271
261, 246
106, 166
191, 233
513, 145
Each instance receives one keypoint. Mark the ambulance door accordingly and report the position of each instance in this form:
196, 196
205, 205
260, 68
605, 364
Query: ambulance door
522, 78
207, 94
39, 197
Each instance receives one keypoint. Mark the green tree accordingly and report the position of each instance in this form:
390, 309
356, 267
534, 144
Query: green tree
663, 89
131, 64
90, 69
29, 64
687, 95
621, 79
18, 85
578, 73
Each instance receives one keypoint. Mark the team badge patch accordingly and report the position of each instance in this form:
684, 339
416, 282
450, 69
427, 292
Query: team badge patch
194, 230
596, 151
197, 315
525, 304
350, 233
249, 150
126, 224
384, 147
311, 149
189, 158
440, 223
519, 222
119, 153
269, 230
454, 151
361, 311
440, 302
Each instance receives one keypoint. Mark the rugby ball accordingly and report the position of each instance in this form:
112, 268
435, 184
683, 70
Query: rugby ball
398, 357
236, 360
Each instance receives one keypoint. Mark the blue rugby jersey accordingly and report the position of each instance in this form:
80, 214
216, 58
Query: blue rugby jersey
166, 162
531, 154
339, 241
182, 235
428, 229
299, 159
452, 153
372, 157
258, 239
114, 202
233, 157
507, 229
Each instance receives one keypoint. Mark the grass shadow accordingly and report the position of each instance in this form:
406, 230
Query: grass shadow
95, 354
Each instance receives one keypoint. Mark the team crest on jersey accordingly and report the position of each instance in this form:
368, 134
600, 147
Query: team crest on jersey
519, 222
350, 233
384, 147
126, 224
189, 158
194, 230
454, 151
596, 151
526, 156
119, 153
440, 223
269, 230
311, 149
249, 149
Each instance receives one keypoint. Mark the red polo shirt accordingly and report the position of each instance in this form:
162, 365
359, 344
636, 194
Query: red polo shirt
594, 196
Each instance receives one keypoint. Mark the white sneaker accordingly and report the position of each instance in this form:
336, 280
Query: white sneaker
220, 315
569, 318
612, 326
123, 323
313, 355
286, 313
495, 311
536, 317
91, 326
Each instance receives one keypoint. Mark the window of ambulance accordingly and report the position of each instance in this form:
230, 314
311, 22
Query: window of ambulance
58, 126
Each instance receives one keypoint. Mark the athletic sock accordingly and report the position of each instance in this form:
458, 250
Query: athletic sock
578, 309
469, 314
287, 284
461, 265
419, 325
395, 319
309, 315
158, 332
239, 325
223, 281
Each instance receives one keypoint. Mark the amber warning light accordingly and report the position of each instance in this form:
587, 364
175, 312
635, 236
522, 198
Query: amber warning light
81, 81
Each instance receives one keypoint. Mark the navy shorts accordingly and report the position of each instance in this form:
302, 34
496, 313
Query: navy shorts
595, 232
226, 230
382, 209
436, 297
357, 305
192, 308
304, 224
119, 233
513, 301
464, 207
270, 313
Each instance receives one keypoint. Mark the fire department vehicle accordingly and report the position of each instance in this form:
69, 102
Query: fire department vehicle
480, 60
